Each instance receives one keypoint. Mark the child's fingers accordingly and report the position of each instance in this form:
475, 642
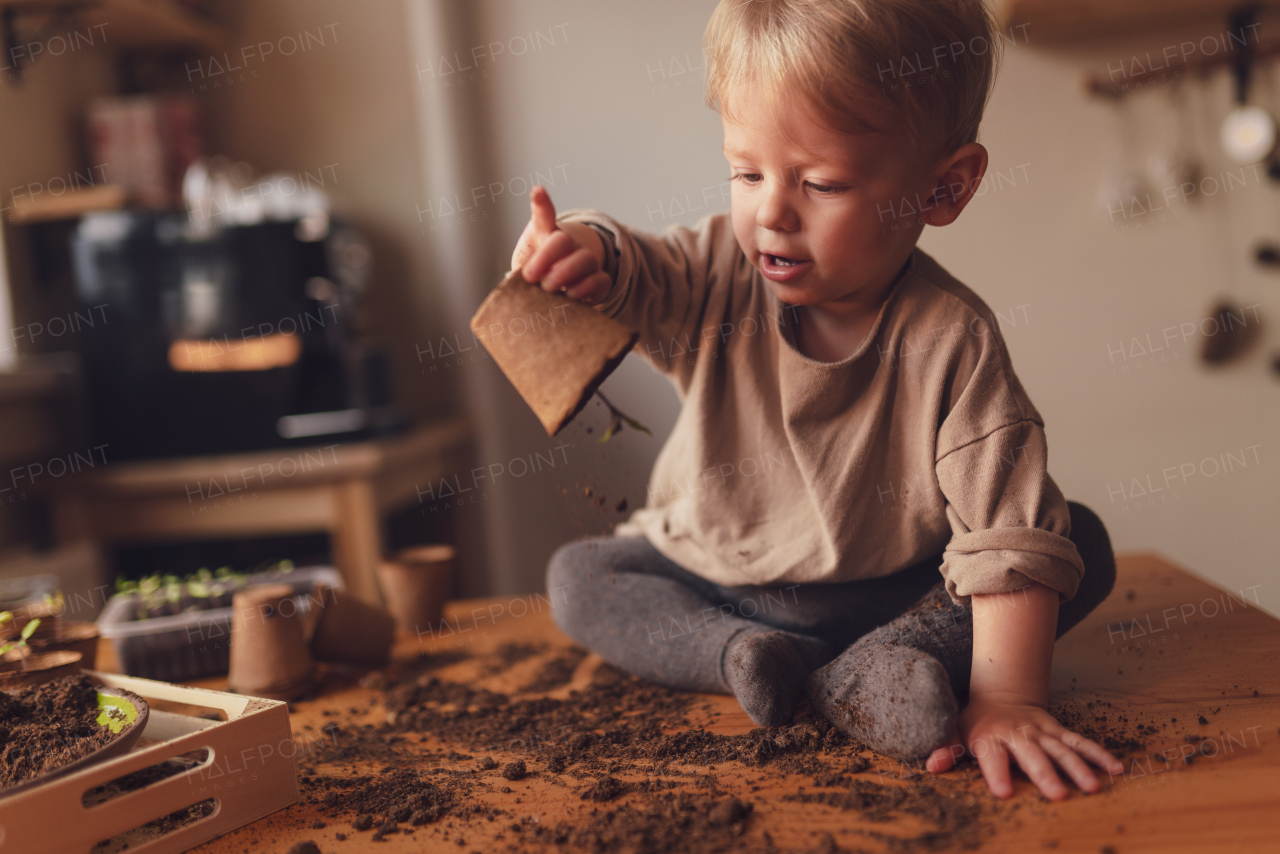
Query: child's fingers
994, 763
1092, 751
553, 248
1068, 761
570, 270
1032, 759
591, 289
542, 213
944, 758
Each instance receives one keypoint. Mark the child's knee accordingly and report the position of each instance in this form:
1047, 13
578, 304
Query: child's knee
568, 572
565, 569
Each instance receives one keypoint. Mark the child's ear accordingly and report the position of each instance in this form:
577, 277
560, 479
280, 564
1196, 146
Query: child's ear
960, 176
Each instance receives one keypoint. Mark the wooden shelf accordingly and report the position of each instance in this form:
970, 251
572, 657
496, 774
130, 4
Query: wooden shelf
132, 23
1062, 21
72, 204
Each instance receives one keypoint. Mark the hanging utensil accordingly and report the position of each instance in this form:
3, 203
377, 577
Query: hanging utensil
1249, 132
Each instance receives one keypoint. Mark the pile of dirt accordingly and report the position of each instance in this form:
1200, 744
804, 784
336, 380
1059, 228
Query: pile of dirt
669, 822
48, 726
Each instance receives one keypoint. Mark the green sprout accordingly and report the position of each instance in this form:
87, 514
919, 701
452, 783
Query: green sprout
21, 643
617, 419
172, 594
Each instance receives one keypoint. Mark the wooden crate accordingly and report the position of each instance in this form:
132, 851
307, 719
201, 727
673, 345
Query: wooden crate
249, 772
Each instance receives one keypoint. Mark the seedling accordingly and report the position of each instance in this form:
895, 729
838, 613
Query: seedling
167, 595
21, 643
617, 419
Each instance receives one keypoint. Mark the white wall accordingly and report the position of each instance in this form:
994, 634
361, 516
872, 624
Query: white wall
635, 137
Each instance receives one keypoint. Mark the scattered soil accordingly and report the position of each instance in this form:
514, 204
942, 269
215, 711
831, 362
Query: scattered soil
670, 822
457, 756
556, 672
509, 654
626, 748
48, 726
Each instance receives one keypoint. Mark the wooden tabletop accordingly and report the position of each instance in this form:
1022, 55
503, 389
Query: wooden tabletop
324, 462
1165, 645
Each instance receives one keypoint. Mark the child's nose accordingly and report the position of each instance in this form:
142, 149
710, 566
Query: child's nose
775, 212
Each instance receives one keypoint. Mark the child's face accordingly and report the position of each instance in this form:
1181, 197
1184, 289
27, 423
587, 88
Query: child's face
817, 210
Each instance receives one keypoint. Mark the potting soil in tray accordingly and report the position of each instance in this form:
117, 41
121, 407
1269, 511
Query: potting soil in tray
48, 726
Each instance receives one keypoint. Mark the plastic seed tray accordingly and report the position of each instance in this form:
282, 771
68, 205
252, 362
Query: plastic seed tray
192, 645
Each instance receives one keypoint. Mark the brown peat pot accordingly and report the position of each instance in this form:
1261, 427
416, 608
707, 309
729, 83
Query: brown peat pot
554, 350
38, 668
416, 584
49, 616
269, 656
350, 631
74, 636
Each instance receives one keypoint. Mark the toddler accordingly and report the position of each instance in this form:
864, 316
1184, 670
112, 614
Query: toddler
854, 503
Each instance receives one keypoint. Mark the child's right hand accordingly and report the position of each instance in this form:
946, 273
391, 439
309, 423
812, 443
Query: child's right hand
567, 258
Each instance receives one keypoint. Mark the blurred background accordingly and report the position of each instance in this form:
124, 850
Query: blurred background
243, 240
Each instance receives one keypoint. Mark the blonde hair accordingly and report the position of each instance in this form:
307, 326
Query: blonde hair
932, 61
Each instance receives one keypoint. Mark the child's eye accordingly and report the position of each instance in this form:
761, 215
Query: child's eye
824, 189
747, 177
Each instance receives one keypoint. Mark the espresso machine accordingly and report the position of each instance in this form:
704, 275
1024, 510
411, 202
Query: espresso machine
226, 337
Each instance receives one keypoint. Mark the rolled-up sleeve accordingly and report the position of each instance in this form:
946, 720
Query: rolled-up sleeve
1010, 522
662, 283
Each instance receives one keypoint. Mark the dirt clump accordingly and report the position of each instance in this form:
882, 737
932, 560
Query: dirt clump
669, 822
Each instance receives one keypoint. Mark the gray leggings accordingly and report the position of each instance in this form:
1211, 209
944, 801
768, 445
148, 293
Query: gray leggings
622, 599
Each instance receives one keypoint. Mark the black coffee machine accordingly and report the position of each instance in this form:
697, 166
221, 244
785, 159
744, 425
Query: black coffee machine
229, 339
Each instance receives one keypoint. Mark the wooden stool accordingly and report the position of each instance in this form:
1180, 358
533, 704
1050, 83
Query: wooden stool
343, 489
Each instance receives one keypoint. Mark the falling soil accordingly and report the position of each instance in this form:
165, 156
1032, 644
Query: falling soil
48, 726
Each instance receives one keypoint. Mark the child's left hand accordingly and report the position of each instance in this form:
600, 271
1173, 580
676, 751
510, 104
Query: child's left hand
993, 728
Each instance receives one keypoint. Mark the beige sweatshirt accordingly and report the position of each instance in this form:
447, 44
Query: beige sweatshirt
782, 469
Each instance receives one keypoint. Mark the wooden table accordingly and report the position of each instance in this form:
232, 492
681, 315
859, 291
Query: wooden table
340, 488
1158, 646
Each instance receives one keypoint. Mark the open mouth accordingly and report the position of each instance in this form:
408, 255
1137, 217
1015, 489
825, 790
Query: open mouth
780, 261
781, 268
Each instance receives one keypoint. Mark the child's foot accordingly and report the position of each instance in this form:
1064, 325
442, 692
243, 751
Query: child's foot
895, 699
766, 671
